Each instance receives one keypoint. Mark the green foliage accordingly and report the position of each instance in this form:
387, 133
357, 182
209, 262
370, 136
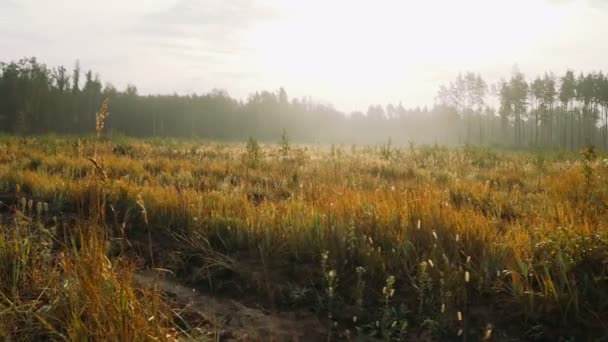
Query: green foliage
385, 150
284, 144
254, 153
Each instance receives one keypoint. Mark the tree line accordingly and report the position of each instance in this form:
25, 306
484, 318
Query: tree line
563, 112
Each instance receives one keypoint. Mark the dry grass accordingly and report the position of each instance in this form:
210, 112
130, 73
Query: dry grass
70, 289
504, 242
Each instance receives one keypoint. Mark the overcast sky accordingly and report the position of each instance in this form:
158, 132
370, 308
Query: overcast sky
349, 53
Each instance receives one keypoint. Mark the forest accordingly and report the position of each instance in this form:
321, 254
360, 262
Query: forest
550, 111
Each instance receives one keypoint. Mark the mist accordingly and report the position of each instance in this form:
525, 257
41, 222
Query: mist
348, 54
436, 72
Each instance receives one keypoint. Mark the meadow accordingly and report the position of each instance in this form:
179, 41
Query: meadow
363, 242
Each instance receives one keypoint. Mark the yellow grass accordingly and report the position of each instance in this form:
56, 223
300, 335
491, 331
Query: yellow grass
527, 244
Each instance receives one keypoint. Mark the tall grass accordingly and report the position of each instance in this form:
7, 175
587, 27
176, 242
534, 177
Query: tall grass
470, 238
68, 289
57, 280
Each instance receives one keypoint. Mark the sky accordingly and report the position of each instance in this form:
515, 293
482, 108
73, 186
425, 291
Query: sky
348, 53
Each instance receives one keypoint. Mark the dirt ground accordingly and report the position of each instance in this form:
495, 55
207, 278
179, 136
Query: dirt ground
232, 320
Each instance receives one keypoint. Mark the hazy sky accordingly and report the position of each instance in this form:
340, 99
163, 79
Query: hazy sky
350, 53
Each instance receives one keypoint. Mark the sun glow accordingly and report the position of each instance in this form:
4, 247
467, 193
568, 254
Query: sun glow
350, 53
395, 46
